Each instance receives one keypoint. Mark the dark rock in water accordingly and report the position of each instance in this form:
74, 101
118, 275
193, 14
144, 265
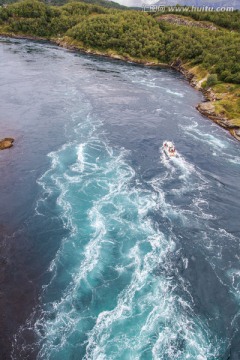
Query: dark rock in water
6, 143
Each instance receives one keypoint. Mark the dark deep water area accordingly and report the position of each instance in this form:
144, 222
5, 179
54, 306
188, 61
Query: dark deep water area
108, 249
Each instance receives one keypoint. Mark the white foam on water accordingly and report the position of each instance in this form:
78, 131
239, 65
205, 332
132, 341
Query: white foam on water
163, 317
148, 299
175, 93
234, 159
80, 155
143, 78
187, 180
234, 275
180, 163
107, 215
212, 241
212, 140
92, 185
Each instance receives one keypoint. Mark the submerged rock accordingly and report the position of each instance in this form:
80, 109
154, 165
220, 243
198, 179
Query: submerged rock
6, 143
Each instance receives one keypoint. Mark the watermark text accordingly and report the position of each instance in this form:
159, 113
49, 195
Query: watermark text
162, 8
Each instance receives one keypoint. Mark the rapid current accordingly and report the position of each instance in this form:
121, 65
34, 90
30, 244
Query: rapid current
110, 250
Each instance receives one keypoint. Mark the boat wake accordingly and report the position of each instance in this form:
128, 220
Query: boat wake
115, 289
128, 254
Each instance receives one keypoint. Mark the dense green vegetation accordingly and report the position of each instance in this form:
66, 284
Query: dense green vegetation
35, 18
216, 51
135, 34
213, 55
128, 33
104, 3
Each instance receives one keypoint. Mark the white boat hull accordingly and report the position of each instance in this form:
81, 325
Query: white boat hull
169, 149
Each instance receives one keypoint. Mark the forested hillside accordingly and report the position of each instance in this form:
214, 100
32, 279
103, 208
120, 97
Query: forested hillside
105, 3
211, 53
134, 34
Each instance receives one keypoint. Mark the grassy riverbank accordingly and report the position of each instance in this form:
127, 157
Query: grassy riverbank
205, 52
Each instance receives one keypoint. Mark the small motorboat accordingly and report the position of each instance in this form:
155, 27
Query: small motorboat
169, 149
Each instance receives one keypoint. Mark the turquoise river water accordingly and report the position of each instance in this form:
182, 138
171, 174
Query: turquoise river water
109, 250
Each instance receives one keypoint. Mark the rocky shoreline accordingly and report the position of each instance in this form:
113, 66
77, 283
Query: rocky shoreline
65, 44
206, 108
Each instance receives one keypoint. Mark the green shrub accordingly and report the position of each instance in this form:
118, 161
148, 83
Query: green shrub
212, 80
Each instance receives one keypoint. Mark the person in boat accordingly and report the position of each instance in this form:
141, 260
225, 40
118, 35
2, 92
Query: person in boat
169, 148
